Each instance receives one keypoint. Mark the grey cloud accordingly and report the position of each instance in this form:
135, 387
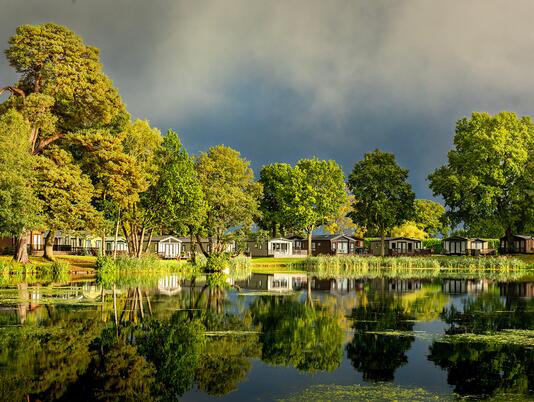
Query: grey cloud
283, 80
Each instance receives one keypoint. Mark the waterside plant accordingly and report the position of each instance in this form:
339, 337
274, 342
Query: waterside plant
505, 268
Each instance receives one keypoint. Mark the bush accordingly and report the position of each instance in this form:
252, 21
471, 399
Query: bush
217, 262
433, 244
494, 243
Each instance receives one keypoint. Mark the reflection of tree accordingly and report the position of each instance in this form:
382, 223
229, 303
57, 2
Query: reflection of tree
489, 313
424, 304
485, 369
116, 373
41, 362
293, 333
377, 356
174, 348
225, 360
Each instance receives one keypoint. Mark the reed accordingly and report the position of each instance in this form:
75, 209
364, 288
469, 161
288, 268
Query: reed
240, 267
410, 267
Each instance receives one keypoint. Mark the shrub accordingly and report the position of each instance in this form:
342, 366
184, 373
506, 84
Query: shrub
434, 244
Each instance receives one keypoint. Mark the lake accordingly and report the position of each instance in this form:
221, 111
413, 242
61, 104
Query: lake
267, 337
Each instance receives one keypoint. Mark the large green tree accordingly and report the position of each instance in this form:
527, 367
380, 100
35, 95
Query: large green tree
61, 89
485, 181
314, 195
176, 200
275, 178
430, 217
230, 191
384, 198
19, 206
66, 194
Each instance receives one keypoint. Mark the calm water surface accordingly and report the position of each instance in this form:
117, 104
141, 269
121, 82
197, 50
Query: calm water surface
268, 337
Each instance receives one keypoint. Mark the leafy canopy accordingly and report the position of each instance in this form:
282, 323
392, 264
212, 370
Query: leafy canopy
383, 197
486, 176
229, 188
315, 193
19, 206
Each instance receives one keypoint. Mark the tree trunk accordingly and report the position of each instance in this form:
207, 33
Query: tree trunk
49, 245
149, 240
193, 252
103, 250
21, 249
382, 242
140, 244
116, 235
309, 235
202, 247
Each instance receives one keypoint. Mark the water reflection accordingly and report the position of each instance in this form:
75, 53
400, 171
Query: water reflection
206, 335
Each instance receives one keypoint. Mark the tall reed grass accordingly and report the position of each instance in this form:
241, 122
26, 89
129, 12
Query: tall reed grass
409, 267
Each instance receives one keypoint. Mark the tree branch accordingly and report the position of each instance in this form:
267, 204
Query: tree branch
44, 143
13, 90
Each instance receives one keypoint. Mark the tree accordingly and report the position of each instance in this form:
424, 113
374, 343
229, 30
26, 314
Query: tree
384, 198
65, 76
430, 217
19, 206
230, 191
409, 229
341, 221
118, 178
295, 333
275, 179
66, 194
177, 195
61, 89
316, 192
485, 178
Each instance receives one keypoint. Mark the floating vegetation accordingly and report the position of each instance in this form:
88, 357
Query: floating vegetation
517, 337
376, 392
230, 333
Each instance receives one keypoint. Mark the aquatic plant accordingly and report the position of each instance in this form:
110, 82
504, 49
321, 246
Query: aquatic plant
375, 392
240, 268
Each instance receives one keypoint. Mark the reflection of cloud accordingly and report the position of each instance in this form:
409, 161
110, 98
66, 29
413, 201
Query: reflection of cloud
283, 80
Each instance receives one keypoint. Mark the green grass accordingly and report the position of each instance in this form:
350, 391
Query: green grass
259, 261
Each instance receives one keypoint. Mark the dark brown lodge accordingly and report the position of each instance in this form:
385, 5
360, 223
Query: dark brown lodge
520, 244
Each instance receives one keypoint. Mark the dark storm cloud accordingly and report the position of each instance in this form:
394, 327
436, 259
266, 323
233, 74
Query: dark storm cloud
284, 80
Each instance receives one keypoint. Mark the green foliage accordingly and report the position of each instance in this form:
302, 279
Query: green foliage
383, 392
174, 348
275, 179
430, 217
66, 193
54, 61
434, 244
384, 198
176, 199
231, 194
217, 262
377, 357
315, 194
308, 338
19, 206
485, 179
240, 267
335, 266
409, 229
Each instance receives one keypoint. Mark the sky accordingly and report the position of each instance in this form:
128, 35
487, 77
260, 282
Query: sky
285, 80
